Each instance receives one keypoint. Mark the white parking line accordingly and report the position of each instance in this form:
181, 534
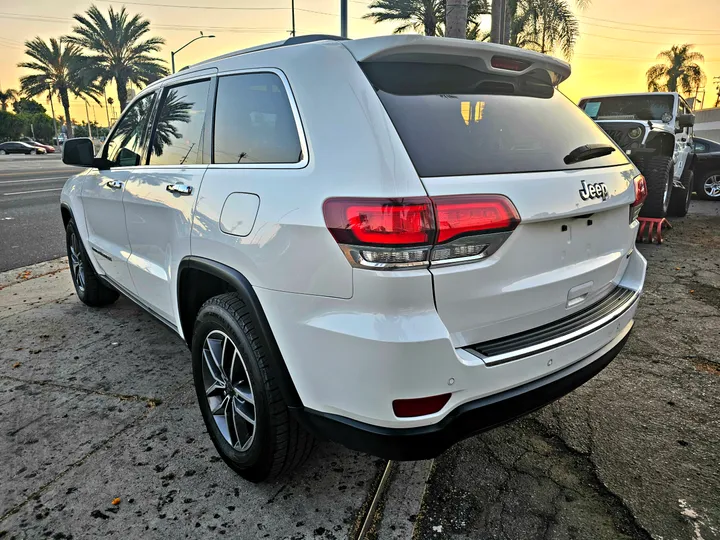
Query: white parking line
33, 191
3, 182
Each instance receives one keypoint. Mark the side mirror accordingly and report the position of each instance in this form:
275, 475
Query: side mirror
79, 152
686, 120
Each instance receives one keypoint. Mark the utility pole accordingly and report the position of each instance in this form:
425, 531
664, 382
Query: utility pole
498, 20
344, 18
292, 10
52, 110
87, 115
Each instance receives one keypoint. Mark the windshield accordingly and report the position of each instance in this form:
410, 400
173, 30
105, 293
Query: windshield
646, 107
456, 121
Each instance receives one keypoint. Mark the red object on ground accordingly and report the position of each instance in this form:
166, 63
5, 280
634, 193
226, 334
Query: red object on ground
654, 227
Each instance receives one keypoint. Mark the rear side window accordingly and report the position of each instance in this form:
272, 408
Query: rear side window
254, 122
180, 125
460, 121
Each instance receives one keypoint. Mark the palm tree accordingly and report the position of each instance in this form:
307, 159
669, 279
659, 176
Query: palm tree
60, 69
544, 25
6, 97
679, 72
426, 16
121, 52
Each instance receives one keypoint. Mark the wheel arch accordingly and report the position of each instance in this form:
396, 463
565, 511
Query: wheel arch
662, 142
66, 213
200, 279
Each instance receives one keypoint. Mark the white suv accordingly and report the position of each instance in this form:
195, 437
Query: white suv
393, 242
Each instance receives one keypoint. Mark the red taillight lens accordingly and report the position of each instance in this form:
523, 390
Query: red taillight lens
473, 214
512, 64
641, 190
405, 408
380, 222
393, 233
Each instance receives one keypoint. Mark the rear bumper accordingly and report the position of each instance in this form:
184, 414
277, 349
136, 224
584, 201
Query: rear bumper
471, 418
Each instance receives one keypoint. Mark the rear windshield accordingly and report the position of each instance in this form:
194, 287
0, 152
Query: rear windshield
454, 120
645, 107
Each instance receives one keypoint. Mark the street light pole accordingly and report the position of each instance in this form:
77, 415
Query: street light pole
344, 18
173, 53
292, 9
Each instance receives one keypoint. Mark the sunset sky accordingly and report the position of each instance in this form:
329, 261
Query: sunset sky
619, 38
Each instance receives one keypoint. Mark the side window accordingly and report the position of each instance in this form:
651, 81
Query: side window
125, 147
699, 147
254, 122
180, 126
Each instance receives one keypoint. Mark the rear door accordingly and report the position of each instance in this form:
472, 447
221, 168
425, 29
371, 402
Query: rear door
159, 199
468, 133
103, 190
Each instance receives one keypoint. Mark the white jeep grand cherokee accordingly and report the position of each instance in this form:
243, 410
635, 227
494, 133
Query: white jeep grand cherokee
394, 242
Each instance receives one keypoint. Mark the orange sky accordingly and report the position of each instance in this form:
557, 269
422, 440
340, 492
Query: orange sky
619, 38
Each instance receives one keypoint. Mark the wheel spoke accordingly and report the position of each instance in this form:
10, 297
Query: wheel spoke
244, 394
221, 407
243, 410
215, 389
215, 348
212, 367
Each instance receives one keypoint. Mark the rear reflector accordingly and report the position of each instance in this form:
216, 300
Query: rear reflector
406, 408
512, 64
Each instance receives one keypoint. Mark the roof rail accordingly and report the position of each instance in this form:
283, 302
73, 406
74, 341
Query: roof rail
296, 40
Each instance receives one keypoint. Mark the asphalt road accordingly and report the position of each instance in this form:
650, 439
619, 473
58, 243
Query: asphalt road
30, 226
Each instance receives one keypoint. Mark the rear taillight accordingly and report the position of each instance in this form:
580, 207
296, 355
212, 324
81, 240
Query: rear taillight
641, 193
393, 233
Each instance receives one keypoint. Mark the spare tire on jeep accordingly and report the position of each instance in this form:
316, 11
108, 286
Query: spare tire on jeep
658, 171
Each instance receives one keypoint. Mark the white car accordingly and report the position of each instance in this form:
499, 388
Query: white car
392, 242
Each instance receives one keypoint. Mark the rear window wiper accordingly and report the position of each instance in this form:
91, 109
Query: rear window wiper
588, 151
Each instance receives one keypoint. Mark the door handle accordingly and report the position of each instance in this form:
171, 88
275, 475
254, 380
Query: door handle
114, 184
180, 189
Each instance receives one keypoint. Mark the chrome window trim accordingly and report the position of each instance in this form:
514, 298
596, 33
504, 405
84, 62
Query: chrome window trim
296, 115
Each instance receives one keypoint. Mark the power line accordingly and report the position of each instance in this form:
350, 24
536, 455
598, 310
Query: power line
650, 26
646, 42
225, 8
629, 29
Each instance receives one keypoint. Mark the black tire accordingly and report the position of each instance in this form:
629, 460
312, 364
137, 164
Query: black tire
680, 198
700, 186
90, 290
2, 152
278, 444
658, 175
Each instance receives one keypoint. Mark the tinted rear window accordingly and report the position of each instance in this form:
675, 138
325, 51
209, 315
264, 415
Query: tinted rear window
459, 121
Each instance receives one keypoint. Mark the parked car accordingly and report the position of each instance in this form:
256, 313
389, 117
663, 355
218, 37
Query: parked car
707, 169
456, 252
655, 130
48, 149
17, 147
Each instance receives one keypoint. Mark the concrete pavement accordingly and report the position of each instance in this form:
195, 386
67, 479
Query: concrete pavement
98, 404
30, 225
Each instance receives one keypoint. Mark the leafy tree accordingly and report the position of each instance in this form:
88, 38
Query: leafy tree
679, 72
10, 127
37, 125
6, 96
425, 16
61, 69
119, 49
544, 25
25, 105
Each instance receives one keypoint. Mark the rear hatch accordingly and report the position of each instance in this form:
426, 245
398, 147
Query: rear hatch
490, 121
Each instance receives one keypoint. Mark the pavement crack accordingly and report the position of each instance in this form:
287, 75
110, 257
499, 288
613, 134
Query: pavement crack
50, 384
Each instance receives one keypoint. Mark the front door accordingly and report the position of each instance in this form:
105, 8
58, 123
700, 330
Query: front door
103, 191
160, 199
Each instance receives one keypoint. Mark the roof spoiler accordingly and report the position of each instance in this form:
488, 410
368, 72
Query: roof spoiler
486, 57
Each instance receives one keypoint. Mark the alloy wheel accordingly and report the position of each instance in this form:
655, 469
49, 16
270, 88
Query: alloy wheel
712, 186
228, 390
76, 262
